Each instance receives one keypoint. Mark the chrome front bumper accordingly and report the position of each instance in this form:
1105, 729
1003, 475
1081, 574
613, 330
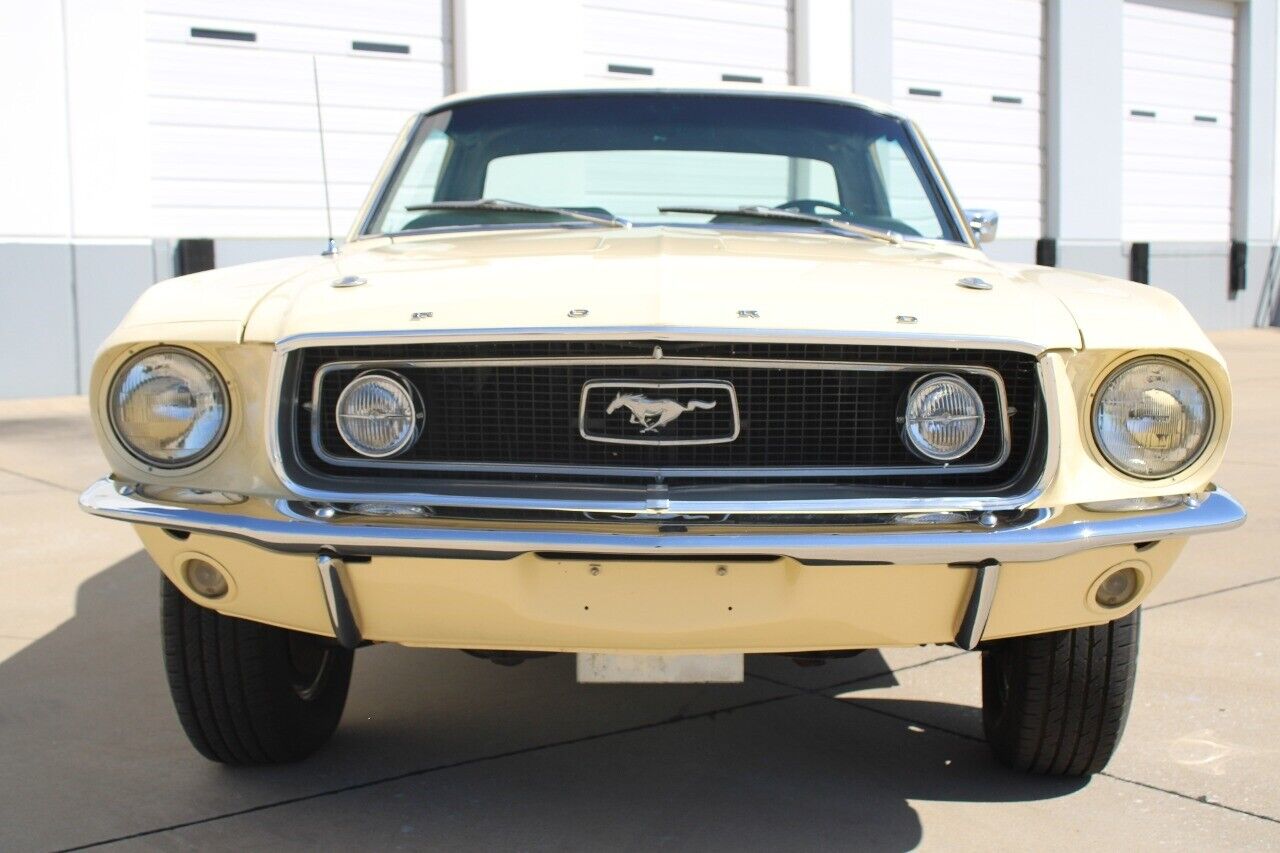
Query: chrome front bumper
1034, 536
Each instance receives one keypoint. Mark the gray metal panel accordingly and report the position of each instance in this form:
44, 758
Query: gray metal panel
109, 278
1196, 273
1012, 251
162, 260
1102, 257
37, 323
228, 253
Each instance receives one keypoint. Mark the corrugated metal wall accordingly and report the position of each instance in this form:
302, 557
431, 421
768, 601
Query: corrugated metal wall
689, 41
972, 76
1179, 76
233, 133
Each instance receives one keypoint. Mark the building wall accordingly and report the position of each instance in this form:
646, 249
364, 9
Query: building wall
103, 185
231, 107
75, 231
38, 323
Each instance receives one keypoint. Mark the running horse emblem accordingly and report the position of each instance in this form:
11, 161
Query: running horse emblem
653, 414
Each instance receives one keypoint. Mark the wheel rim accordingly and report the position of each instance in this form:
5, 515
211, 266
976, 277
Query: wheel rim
309, 661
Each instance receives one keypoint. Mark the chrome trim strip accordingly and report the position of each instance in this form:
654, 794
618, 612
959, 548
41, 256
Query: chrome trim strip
659, 440
1047, 379
730, 497
317, 445
977, 612
657, 333
1045, 535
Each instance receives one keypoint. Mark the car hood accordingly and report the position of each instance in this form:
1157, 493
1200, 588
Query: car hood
680, 280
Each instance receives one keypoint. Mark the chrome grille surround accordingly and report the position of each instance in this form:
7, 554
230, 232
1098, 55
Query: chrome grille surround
703, 368
487, 489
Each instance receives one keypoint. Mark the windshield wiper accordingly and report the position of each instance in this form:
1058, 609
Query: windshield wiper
761, 212
502, 205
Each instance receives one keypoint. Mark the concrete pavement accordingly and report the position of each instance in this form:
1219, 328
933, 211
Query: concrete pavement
439, 749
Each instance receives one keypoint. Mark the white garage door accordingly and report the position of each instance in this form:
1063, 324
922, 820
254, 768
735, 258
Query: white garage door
234, 144
971, 75
689, 41
1179, 70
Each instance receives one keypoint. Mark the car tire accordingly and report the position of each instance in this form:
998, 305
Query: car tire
248, 693
1056, 703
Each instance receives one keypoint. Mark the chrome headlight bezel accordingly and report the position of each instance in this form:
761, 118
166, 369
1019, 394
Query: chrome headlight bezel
415, 407
917, 445
1197, 379
114, 415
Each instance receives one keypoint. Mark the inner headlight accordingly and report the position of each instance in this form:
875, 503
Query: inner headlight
377, 415
1152, 418
944, 417
168, 407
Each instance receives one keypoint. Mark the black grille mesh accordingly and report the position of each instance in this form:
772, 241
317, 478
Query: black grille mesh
790, 417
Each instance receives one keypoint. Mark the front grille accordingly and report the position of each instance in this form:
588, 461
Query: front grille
519, 420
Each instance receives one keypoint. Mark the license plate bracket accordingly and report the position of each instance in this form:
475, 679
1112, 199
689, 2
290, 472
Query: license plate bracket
594, 668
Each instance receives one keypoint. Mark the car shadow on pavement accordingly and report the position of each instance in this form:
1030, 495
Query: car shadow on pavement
437, 747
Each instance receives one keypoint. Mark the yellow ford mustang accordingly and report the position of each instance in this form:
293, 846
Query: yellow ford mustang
660, 378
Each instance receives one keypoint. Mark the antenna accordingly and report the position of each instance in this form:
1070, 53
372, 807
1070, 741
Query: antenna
331, 247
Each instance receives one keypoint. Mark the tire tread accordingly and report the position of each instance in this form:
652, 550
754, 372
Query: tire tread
229, 684
1068, 696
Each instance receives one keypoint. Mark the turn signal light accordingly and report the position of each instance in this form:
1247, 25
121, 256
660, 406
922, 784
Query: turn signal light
1119, 588
205, 578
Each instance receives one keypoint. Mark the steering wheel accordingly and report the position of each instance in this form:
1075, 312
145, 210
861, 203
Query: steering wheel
811, 205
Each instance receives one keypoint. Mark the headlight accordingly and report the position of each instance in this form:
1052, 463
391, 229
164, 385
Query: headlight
168, 407
1152, 418
944, 417
376, 414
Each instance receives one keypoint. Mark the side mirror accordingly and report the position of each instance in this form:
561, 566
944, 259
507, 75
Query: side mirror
983, 223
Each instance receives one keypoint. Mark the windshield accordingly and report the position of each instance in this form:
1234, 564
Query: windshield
627, 155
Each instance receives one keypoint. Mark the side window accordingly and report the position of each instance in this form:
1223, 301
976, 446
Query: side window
909, 202
419, 184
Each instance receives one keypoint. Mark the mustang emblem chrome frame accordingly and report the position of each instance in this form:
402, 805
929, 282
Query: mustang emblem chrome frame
651, 413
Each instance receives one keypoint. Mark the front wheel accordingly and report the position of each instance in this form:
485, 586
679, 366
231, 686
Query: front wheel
248, 693
1056, 703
